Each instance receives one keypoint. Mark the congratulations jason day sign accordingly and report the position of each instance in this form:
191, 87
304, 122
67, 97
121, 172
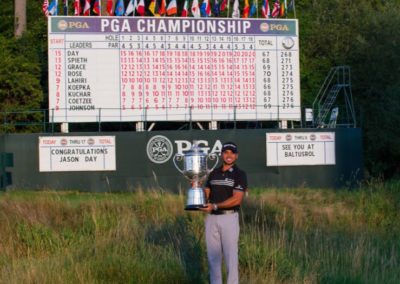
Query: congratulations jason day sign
77, 153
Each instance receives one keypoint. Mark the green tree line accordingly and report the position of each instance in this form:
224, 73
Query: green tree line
360, 34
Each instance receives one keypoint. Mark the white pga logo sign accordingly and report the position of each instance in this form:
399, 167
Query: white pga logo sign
159, 148
184, 145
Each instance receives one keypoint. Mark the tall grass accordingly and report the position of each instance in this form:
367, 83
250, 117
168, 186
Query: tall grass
287, 236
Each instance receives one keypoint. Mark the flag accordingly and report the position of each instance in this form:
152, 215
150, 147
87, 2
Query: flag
246, 9
96, 7
162, 9
156, 8
140, 8
205, 8
152, 7
276, 9
120, 8
172, 9
265, 9
53, 8
86, 9
109, 7
223, 5
291, 6
253, 8
185, 11
236, 11
282, 10
77, 7
65, 7
45, 7
132, 6
216, 8
195, 9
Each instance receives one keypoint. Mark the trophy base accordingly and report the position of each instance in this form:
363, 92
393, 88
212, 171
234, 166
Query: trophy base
195, 207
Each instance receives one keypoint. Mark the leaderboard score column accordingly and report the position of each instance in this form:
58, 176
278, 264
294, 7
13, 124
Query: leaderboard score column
288, 72
267, 78
131, 75
57, 78
222, 77
244, 69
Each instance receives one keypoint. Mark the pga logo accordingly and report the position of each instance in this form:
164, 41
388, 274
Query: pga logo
184, 145
160, 149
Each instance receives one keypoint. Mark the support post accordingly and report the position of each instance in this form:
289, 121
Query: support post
140, 126
64, 127
213, 125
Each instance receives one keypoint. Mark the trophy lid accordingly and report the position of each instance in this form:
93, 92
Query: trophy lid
195, 150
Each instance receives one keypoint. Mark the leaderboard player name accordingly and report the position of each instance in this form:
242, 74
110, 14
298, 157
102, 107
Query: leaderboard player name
175, 26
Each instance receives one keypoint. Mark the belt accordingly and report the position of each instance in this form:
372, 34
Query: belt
223, 212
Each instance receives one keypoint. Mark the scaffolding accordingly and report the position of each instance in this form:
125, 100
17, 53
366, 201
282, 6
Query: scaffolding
337, 82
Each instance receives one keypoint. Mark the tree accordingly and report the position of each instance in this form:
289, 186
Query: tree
363, 35
21, 68
376, 66
20, 17
20, 88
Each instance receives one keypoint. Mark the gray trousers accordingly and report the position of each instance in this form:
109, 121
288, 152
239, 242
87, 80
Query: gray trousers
222, 237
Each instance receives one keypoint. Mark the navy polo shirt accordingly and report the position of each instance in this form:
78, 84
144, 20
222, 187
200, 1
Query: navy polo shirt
222, 184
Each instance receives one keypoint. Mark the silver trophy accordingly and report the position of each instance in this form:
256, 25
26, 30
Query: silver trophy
195, 169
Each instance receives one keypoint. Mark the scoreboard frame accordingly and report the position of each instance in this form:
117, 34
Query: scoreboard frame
114, 69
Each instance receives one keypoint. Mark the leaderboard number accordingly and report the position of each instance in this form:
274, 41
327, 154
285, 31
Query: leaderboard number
58, 76
287, 79
266, 66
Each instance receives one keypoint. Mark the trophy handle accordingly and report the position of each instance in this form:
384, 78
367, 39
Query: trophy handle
213, 156
178, 157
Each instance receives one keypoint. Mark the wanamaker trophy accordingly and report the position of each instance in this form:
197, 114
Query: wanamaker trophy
196, 170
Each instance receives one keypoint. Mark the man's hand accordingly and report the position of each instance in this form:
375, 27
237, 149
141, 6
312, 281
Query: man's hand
207, 209
196, 184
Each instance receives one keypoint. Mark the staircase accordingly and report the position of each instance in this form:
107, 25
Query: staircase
338, 80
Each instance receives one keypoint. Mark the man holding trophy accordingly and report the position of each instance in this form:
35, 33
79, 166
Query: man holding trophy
221, 198
224, 191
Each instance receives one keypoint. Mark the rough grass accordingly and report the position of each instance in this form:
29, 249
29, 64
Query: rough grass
287, 236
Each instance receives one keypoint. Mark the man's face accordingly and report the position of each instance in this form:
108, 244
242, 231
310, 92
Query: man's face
228, 157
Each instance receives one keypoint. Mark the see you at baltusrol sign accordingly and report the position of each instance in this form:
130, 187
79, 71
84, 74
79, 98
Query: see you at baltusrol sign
77, 153
173, 69
300, 148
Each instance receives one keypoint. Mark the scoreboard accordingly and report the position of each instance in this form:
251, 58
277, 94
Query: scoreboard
173, 69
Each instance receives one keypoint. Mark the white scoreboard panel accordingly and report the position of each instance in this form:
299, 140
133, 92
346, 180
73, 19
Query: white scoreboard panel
173, 69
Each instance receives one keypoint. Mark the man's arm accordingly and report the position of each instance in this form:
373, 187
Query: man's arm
207, 193
209, 206
235, 200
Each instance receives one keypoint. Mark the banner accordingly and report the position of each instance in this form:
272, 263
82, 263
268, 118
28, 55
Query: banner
76, 153
300, 148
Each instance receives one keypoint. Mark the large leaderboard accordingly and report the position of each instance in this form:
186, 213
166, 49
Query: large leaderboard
173, 69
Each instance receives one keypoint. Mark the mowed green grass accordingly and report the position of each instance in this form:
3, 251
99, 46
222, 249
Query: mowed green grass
287, 236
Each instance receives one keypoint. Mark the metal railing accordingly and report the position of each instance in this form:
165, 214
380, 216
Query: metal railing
104, 119
28, 120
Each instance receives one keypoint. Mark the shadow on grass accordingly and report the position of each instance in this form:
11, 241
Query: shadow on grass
185, 235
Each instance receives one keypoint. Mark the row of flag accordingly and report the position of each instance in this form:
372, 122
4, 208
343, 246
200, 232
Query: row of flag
161, 8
